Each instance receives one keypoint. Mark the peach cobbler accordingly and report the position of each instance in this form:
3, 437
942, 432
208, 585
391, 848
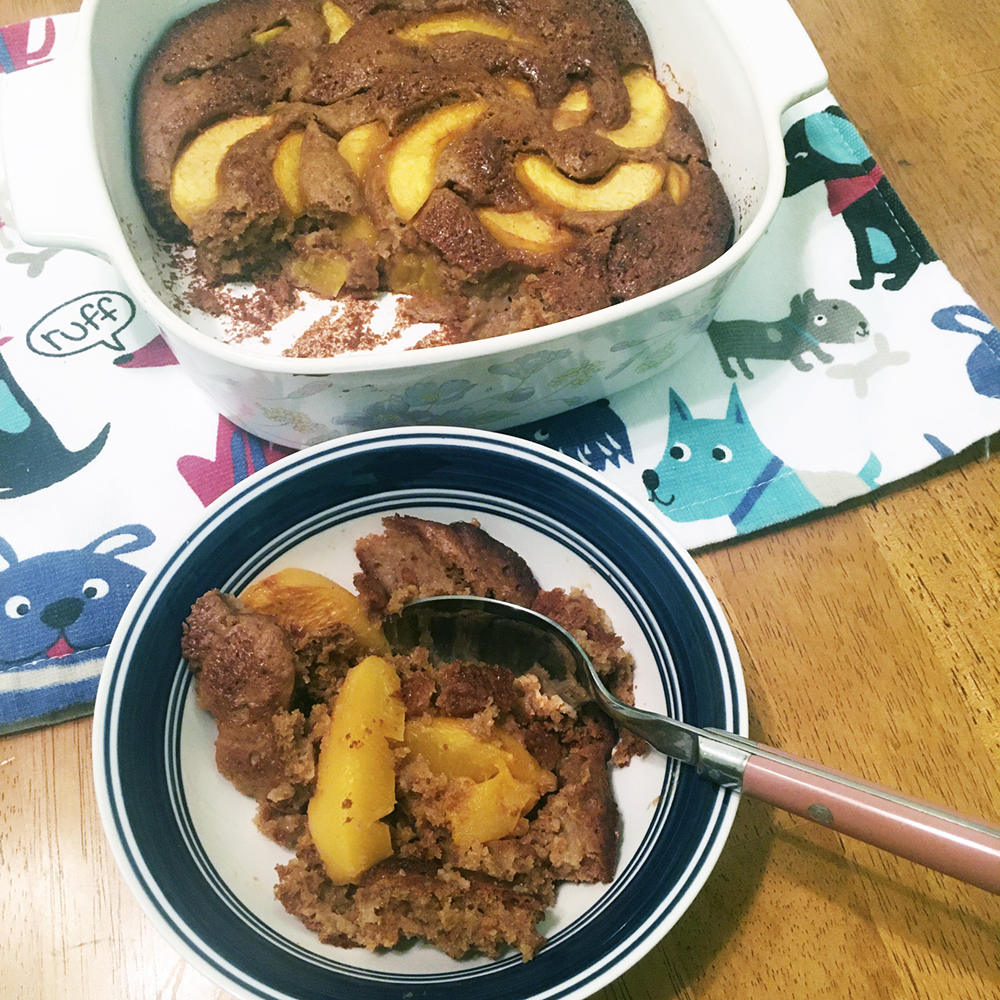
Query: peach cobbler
442, 801
503, 164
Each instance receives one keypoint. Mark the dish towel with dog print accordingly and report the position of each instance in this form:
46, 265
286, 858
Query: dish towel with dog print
810, 387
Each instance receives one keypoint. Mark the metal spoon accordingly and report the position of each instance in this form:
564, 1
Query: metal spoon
479, 628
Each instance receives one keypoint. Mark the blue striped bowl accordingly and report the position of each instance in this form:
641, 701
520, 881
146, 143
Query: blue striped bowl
184, 838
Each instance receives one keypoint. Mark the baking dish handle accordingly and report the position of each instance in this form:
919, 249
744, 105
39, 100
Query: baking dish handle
779, 53
54, 181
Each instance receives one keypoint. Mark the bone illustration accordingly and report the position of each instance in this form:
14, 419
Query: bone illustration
862, 371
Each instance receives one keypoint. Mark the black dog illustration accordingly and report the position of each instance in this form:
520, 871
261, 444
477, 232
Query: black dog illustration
826, 147
592, 433
810, 322
31, 455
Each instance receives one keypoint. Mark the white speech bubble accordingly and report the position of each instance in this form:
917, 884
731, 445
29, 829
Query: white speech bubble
82, 323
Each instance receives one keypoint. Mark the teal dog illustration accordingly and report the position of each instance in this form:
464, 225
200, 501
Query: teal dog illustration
721, 468
810, 323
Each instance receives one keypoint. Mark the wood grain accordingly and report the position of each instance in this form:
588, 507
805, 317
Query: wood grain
15, 11
870, 640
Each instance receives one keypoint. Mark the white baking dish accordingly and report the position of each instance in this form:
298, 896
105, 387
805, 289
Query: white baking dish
65, 131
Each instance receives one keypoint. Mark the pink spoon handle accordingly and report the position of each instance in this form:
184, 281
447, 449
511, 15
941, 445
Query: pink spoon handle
946, 842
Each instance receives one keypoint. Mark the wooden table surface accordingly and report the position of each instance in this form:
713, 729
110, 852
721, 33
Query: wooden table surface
870, 641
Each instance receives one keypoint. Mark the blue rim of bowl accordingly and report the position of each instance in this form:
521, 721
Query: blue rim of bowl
144, 685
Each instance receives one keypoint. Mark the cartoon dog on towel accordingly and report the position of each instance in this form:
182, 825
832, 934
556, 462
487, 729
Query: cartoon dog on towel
826, 147
58, 602
719, 467
810, 323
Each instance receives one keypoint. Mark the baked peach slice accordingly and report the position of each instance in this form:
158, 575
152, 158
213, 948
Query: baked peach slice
311, 600
358, 147
356, 772
573, 110
623, 187
414, 271
528, 230
678, 183
409, 173
518, 88
285, 170
360, 229
649, 116
263, 37
323, 272
451, 24
494, 780
362, 144
337, 23
337, 20
194, 186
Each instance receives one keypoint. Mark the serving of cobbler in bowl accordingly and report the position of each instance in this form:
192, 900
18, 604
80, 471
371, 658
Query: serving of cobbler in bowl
306, 810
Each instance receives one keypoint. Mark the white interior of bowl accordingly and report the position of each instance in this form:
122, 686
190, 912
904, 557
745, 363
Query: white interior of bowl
695, 59
244, 859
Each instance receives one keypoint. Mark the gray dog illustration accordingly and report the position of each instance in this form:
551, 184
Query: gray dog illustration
810, 323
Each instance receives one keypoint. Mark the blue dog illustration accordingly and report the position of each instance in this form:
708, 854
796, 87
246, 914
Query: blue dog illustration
826, 147
592, 433
721, 468
810, 323
59, 602
983, 365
